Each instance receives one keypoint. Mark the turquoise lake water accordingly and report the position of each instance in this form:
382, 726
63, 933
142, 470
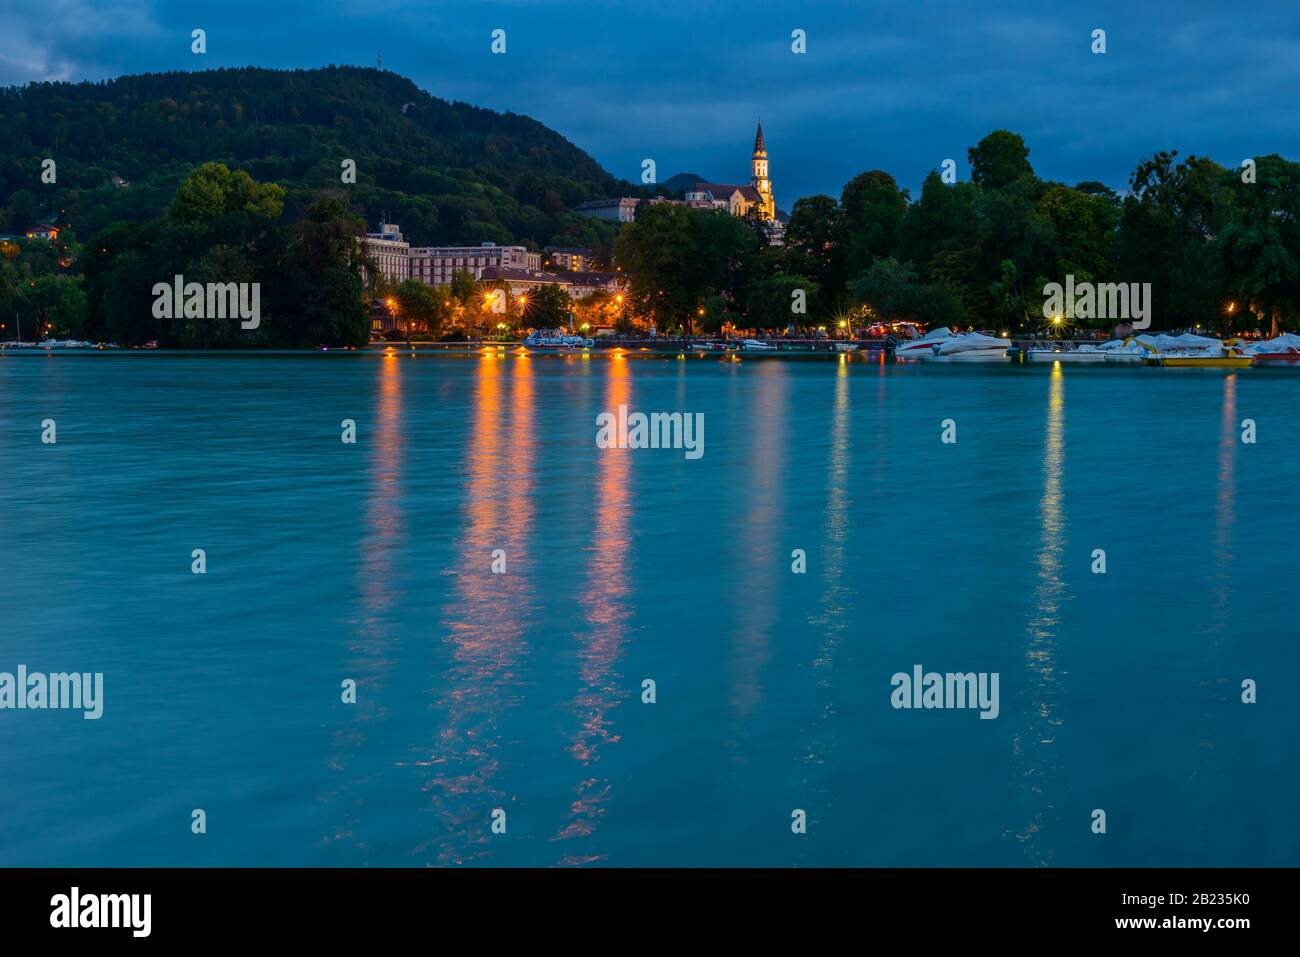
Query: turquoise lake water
522, 691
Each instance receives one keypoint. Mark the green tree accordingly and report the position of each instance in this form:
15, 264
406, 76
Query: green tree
1083, 237
56, 305
999, 159
728, 247
220, 264
464, 288
1258, 247
1169, 224
320, 295
419, 308
872, 209
815, 235
769, 301
661, 254
549, 307
213, 190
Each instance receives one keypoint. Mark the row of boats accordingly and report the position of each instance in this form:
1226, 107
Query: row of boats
58, 344
760, 345
1186, 350
556, 340
943, 345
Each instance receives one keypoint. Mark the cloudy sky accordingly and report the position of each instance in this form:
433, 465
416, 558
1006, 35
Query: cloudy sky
894, 86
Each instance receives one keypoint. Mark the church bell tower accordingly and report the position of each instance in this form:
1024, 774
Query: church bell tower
760, 180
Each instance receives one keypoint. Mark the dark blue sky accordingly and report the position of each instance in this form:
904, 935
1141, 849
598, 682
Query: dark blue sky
893, 86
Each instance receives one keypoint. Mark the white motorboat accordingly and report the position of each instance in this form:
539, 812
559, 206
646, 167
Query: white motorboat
1122, 352
1125, 356
923, 347
754, 345
1084, 353
970, 347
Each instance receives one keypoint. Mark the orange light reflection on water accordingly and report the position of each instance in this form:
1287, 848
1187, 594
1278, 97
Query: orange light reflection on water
606, 613
487, 621
383, 538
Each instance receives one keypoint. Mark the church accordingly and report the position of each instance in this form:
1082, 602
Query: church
739, 200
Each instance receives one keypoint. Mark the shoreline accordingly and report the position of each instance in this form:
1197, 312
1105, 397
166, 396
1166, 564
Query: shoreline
876, 354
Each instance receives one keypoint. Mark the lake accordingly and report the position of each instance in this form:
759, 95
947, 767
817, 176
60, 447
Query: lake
520, 690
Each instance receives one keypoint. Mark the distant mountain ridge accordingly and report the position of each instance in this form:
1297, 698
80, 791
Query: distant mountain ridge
682, 181
445, 171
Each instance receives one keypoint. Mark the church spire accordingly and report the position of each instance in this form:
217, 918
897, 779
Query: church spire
760, 181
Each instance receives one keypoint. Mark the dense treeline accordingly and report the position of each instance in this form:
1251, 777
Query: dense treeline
447, 172
1218, 246
221, 227
235, 176
226, 237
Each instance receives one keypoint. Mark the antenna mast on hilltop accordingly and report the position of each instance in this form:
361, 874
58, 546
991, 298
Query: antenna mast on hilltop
379, 59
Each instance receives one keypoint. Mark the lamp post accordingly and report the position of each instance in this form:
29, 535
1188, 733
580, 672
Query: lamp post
391, 305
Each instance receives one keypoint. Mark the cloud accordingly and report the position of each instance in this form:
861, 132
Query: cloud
69, 39
896, 87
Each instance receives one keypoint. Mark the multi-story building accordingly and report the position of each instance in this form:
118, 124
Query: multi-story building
621, 210
570, 258
436, 264
389, 252
578, 285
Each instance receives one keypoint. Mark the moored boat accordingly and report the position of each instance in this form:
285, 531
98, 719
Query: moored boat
754, 345
1285, 349
1123, 352
924, 346
555, 341
1230, 354
970, 347
1229, 361
1084, 353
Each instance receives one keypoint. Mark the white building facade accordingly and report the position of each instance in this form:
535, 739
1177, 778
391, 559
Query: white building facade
436, 264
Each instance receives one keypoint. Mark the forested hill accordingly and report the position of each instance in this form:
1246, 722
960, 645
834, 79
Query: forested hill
446, 172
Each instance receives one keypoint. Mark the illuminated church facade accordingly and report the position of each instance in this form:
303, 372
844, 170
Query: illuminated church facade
737, 199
